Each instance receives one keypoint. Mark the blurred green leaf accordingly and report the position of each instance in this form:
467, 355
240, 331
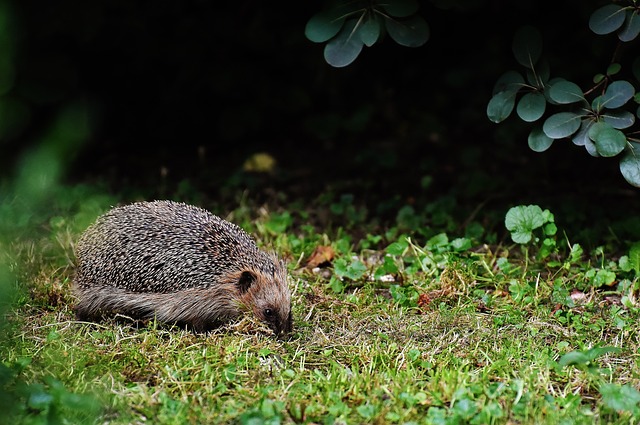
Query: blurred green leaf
401, 8
411, 32
613, 69
583, 358
369, 31
501, 105
634, 257
607, 19
509, 81
604, 277
343, 49
527, 46
324, 25
562, 124
621, 398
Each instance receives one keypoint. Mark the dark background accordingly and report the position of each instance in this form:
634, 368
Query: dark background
183, 92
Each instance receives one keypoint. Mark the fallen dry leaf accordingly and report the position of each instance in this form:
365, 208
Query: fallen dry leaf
320, 255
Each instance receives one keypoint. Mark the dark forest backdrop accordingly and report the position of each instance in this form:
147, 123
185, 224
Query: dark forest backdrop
180, 93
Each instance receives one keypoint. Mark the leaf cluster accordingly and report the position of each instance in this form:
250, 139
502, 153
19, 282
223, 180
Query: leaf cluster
600, 118
348, 26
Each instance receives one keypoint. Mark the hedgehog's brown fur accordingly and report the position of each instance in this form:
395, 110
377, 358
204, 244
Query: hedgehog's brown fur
179, 264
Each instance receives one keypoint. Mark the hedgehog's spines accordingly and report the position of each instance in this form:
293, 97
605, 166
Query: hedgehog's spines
177, 261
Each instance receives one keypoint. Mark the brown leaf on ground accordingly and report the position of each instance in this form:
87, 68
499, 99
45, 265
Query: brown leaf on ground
320, 255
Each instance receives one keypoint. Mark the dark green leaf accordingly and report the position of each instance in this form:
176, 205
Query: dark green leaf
617, 94
634, 257
607, 19
596, 352
527, 46
509, 81
613, 69
565, 92
562, 124
411, 32
369, 31
621, 398
582, 136
598, 78
540, 75
630, 164
631, 27
538, 141
574, 358
598, 103
401, 8
619, 119
323, 26
608, 140
501, 105
344, 48
531, 106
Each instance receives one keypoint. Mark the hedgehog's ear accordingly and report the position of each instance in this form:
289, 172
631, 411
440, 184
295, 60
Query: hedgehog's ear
245, 281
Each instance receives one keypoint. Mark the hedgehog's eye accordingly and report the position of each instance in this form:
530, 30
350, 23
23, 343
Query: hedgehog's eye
268, 313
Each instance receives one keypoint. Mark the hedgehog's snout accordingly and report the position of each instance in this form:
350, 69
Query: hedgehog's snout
280, 322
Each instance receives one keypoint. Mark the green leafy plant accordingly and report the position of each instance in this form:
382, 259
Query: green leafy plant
601, 118
620, 398
348, 26
522, 221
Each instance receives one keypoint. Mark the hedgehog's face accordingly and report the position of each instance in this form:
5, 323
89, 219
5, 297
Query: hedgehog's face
269, 297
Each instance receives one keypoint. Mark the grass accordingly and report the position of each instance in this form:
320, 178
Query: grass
436, 329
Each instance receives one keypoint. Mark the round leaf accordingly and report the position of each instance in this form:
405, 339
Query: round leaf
582, 136
619, 119
401, 8
631, 27
591, 148
501, 105
323, 26
608, 140
509, 81
522, 220
369, 31
613, 69
565, 92
531, 106
607, 19
562, 124
344, 48
630, 165
618, 93
412, 32
527, 46
538, 141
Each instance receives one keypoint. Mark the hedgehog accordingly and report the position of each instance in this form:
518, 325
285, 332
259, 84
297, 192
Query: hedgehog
180, 264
